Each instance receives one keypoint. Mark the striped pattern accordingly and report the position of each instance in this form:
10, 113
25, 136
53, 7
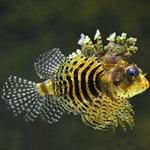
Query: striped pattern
78, 82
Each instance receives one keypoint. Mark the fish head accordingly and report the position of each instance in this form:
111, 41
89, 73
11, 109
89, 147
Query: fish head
127, 80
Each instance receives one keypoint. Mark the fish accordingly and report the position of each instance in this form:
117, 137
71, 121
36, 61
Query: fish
95, 82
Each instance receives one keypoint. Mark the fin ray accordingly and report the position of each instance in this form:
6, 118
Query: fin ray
51, 110
48, 62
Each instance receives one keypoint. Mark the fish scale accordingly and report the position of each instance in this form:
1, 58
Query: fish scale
94, 82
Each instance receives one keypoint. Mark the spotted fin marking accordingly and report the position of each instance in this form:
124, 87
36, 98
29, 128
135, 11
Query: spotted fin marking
48, 62
22, 95
51, 110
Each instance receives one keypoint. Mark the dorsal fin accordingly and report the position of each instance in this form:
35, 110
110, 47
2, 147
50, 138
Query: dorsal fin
48, 62
88, 48
121, 45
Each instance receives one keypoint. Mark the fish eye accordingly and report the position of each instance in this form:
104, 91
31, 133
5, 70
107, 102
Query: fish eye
132, 71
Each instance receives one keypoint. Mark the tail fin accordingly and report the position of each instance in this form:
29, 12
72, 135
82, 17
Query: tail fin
21, 95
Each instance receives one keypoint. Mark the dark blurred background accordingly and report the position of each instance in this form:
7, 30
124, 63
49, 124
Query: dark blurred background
29, 28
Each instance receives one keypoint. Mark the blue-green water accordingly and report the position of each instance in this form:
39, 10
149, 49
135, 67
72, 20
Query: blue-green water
29, 28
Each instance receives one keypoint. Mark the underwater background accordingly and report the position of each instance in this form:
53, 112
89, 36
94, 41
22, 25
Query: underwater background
28, 28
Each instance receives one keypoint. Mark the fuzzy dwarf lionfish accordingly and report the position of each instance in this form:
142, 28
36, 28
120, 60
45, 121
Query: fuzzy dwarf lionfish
94, 82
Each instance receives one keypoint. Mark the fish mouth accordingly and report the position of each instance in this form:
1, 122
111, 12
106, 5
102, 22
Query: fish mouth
144, 84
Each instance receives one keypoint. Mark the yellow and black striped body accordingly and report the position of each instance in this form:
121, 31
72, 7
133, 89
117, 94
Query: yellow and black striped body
77, 82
